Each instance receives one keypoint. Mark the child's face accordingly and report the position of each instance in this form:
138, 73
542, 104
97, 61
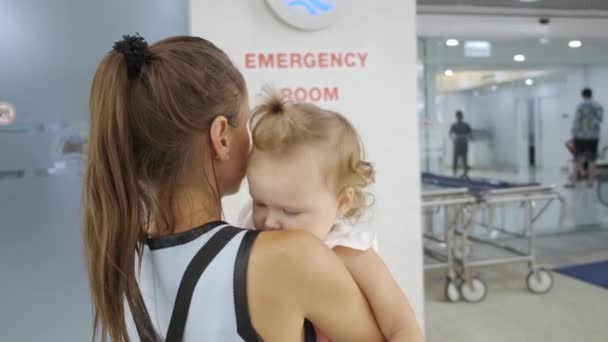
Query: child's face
291, 193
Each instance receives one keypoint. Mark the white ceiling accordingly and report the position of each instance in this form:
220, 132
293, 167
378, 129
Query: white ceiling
508, 26
541, 4
512, 18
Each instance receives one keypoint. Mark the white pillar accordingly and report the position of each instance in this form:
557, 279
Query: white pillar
376, 90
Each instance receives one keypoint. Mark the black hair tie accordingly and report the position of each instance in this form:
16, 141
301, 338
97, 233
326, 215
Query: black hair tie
136, 51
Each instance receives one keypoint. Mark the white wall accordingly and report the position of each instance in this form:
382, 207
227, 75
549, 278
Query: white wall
502, 108
478, 112
442, 108
379, 98
434, 130
510, 128
593, 76
555, 102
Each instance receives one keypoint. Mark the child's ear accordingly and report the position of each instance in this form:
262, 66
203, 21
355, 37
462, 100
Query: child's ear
345, 201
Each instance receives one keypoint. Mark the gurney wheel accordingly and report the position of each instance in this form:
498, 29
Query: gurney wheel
474, 292
539, 281
452, 294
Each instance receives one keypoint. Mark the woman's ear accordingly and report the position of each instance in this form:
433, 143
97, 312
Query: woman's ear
220, 138
345, 201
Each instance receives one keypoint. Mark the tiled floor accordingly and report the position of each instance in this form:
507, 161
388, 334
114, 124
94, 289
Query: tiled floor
572, 311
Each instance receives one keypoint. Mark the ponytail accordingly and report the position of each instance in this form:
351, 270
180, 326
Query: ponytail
112, 201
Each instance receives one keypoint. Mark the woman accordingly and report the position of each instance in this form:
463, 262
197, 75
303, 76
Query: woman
168, 139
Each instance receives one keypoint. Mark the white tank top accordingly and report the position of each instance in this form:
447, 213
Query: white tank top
219, 309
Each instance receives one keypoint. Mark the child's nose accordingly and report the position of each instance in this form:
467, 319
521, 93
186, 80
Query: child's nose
271, 222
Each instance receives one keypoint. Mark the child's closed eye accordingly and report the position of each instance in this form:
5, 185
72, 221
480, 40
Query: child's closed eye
259, 204
291, 212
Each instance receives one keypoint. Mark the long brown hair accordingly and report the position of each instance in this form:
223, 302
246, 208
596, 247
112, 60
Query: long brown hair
142, 125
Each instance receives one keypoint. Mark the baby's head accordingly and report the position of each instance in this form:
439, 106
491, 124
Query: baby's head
306, 168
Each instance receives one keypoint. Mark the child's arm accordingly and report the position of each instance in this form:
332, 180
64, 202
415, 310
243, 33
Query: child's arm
393, 313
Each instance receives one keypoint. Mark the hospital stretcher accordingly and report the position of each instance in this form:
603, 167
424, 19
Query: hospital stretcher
467, 206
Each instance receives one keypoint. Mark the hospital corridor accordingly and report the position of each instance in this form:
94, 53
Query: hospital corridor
461, 143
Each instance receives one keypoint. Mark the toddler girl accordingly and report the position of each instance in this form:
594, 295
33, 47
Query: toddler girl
307, 172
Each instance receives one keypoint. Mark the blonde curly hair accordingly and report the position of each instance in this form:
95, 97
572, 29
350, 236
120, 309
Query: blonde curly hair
279, 127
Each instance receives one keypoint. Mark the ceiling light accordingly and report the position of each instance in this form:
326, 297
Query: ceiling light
477, 49
545, 41
529, 0
575, 44
448, 72
529, 82
452, 42
519, 58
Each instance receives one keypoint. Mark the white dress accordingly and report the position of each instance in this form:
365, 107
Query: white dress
342, 234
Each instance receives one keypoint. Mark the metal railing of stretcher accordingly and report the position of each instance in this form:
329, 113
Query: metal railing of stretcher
467, 204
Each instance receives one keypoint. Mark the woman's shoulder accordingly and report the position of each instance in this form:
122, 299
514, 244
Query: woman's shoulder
288, 259
286, 246
284, 266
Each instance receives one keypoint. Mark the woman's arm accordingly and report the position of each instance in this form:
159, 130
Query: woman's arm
292, 276
391, 309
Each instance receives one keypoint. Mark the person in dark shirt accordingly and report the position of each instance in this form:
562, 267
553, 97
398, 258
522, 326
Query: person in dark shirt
586, 129
460, 133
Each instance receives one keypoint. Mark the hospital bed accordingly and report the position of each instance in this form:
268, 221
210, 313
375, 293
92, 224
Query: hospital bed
465, 208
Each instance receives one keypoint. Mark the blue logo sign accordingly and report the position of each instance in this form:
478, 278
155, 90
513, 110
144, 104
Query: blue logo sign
306, 15
313, 7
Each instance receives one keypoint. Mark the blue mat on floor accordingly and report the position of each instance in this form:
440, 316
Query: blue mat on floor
595, 273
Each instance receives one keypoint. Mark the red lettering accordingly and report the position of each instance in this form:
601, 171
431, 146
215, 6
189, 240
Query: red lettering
296, 60
332, 94
286, 92
282, 61
349, 60
309, 60
249, 61
362, 58
300, 94
336, 60
266, 60
323, 59
315, 94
